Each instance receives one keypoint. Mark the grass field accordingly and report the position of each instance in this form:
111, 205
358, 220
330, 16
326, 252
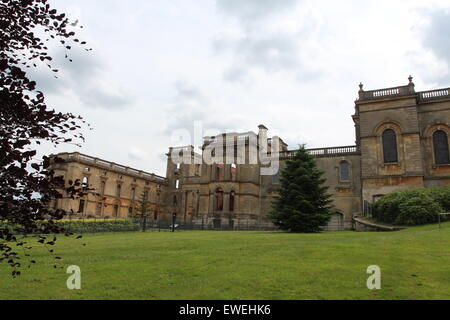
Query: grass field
415, 264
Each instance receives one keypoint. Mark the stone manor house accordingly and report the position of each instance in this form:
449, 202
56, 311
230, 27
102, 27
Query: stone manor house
402, 142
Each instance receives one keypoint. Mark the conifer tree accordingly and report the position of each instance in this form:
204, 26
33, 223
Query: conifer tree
142, 207
303, 204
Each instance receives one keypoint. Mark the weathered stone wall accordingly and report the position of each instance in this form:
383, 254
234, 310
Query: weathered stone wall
107, 202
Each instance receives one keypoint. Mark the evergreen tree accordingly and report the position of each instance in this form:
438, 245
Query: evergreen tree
142, 207
303, 204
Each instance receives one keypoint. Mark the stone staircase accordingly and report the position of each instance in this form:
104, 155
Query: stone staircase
362, 224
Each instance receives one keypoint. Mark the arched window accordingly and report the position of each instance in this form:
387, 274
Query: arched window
219, 199
344, 171
440, 146
116, 210
389, 146
232, 197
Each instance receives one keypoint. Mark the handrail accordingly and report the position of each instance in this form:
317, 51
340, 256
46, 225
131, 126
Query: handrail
386, 92
434, 94
321, 152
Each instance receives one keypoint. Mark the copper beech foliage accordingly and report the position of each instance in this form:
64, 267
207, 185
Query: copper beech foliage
27, 185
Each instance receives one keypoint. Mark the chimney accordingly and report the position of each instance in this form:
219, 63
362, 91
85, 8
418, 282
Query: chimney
262, 137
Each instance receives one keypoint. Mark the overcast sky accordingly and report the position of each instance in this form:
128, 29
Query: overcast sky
293, 65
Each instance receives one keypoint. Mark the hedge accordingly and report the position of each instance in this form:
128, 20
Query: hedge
80, 226
412, 207
88, 225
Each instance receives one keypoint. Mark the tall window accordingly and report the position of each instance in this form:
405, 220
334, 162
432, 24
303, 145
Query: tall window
232, 197
81, 206
102, 187
85, 182
390, 146
344, 171
116, 210
98, 209
219, 172
219, 199
233, 171
118, 190
440, 146
133, 193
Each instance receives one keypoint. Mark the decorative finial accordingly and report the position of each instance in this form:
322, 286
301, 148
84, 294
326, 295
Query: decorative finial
410, 78
360, 86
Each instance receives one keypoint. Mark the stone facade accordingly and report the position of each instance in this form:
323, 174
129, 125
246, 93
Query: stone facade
113, 189
402, 139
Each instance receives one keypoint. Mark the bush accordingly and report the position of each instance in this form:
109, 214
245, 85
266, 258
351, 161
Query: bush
418, 210
412, 207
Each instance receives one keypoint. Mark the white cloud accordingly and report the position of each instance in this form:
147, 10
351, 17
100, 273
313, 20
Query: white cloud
158, 66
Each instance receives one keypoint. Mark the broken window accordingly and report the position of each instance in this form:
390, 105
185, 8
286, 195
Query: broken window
233, 171
219, 172
219, 199
85, 183
118, 189
81, 206
232, 197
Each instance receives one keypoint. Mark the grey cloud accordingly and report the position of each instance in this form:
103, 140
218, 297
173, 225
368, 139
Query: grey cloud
249, 10
82, 76
98, 97
437, 38
190, 105
437, 35
269, 51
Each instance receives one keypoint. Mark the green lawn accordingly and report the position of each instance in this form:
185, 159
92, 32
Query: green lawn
415, 264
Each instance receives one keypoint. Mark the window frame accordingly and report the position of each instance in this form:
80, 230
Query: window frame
385, 146
435, 150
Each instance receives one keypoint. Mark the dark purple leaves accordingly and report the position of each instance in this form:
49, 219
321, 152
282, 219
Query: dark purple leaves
25, 118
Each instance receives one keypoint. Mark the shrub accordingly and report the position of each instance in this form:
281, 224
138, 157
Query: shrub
418, 210
405, 207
